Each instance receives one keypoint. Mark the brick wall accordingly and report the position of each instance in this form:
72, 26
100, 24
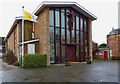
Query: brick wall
43, 33
10, 42
90, 37
99, 56
112, 43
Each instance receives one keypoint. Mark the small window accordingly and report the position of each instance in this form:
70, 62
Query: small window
110, 52
100, 53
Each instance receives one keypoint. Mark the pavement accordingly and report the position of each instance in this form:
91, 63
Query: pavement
99, 71
0, 70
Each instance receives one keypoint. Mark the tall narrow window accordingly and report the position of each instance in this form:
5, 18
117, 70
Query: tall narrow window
52, 55
57, 17
52, 51
51, 16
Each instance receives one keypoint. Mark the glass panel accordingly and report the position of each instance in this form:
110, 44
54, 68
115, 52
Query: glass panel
81, 20
77, 53
77, 36
82, 51
73, 36
57, 35
68, 21
57, 17
86, 51
74, 22
77, 23
86, 35
81, 37
85, 26
68, 18
63, 35
63, 18
58, 53
51, 35
52, 56
68, 36
51, 17
63, 53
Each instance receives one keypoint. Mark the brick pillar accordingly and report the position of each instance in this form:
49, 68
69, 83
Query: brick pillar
90, 37
47, 36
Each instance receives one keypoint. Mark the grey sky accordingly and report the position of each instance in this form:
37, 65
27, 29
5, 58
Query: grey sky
105, 10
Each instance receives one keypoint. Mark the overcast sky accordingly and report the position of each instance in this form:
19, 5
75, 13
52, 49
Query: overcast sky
105, 10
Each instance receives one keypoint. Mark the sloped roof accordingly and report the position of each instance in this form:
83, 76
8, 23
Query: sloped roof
56, 4
113, 32
65, 4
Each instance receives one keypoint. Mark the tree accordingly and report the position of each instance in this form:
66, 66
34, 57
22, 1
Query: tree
103, 45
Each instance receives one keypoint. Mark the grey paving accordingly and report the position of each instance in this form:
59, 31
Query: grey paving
0, 70
99, 71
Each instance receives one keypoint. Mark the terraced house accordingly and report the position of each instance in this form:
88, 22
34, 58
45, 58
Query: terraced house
64, 29
113, 43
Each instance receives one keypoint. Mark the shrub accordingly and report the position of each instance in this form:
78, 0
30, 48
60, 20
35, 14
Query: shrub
34, 60
10, 58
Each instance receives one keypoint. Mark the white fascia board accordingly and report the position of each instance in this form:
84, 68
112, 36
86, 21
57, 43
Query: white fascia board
59, 3
86, 11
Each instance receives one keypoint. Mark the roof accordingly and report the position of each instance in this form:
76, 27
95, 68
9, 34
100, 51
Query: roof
65, 4
113, 32
102, 48
56, 4
12, 27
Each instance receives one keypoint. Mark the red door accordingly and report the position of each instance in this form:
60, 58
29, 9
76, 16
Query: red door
105, 55
70, 52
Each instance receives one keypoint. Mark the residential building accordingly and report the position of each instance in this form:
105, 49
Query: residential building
2, 46
113, 43
63, 30
101, 53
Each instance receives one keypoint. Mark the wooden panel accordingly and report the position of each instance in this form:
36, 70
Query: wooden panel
28, 30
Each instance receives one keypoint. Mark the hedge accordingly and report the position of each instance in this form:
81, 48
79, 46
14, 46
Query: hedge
34, 60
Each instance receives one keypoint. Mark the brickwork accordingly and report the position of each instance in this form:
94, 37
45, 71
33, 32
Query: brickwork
97, 54
90, 37
43, 33
10, 42
112, 43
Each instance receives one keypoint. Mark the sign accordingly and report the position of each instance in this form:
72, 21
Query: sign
31, 48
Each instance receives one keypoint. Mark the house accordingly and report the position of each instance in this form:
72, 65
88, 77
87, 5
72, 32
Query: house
101, 53
2, 46
113, 43
63, 30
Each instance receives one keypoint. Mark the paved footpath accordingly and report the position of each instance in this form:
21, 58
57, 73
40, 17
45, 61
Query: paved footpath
0, 70
100, 71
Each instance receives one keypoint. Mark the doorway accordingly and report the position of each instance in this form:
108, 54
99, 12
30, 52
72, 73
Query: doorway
70, 52
105, 55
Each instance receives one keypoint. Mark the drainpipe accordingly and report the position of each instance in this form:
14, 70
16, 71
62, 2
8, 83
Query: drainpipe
33, 31
18, 40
